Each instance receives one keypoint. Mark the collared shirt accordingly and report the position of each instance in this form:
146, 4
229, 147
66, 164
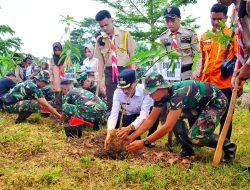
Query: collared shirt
212, 59
123, 53
188, 44
140, 103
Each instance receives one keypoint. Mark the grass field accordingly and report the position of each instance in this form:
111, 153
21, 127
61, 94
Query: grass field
35, 156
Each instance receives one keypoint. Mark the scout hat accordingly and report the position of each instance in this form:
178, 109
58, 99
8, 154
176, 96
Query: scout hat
155, 81
172, 12
43, 76
126, 78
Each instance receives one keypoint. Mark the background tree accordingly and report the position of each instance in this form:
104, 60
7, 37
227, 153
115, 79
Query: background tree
144, 17
9, 44
84, 33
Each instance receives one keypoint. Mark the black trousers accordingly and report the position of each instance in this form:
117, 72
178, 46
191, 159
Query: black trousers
110, 85
128, 119
228, 93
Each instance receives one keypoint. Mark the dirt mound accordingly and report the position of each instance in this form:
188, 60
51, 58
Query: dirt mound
93, 145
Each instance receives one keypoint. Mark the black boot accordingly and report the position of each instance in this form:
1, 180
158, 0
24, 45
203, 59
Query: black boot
22, 116
181, 134
75, 131
229, 148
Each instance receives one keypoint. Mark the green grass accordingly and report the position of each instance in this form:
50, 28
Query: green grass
34, 156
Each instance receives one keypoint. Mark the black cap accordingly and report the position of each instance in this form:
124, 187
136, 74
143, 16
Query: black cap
126, 78
172, 12
66, 81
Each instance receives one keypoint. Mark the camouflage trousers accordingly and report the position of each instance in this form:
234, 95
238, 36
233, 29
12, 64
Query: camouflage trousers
31, 106
86, 112
207, 120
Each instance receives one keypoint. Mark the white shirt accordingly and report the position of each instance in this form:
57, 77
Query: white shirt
140, 103
90, 65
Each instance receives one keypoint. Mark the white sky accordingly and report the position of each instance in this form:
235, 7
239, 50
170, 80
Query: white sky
36, 22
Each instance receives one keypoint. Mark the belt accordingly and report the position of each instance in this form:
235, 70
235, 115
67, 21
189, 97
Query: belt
185, 68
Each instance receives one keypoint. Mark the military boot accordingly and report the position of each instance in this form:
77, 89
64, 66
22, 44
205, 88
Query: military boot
22, 116
229, 148
181, 134
75, 131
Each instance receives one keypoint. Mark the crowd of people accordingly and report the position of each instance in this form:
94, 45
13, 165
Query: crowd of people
191, 103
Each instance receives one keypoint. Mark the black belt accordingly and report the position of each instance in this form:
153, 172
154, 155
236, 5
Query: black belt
185, 68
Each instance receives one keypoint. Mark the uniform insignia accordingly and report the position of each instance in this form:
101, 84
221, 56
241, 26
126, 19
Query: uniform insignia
186, 39
122, 81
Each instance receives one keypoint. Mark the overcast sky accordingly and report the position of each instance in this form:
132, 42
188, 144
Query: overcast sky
36, 22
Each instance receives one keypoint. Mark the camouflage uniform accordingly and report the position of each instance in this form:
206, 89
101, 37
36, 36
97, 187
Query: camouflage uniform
80, 80
32, 106
201, 101
23, 97
83, 104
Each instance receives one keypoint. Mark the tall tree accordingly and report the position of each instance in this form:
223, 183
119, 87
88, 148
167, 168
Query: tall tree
144, 17
9, 44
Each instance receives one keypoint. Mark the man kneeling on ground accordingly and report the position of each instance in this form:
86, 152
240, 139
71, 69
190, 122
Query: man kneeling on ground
201, 101
80, 107
130, 98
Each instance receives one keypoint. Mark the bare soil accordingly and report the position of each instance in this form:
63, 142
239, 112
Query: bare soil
93, 145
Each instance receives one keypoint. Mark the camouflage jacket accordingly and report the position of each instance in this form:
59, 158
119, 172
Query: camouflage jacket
192, 96
27, 90
84, 104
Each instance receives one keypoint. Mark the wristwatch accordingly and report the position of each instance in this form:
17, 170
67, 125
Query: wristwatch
146, 142
133, 127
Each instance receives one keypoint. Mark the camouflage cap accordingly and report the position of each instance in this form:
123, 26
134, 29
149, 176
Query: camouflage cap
43, 76
155, 81
82, 77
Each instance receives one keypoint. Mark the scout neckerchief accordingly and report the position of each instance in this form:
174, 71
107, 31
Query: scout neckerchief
174, 43
114, 61
240, 52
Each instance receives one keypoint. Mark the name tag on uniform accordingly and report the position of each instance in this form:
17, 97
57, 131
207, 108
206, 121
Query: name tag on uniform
167, 72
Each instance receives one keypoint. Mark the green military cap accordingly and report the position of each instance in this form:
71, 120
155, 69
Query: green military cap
82, 77
155, 81
43, 76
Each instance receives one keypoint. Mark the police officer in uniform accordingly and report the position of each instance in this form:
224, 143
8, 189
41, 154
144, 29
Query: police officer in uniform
181, 39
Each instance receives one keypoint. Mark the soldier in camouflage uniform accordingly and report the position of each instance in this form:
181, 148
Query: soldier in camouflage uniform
86, 83
82, 104
187, 99
29, 90
27, 107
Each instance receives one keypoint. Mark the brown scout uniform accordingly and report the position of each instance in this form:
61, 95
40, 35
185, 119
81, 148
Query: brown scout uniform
125, 49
